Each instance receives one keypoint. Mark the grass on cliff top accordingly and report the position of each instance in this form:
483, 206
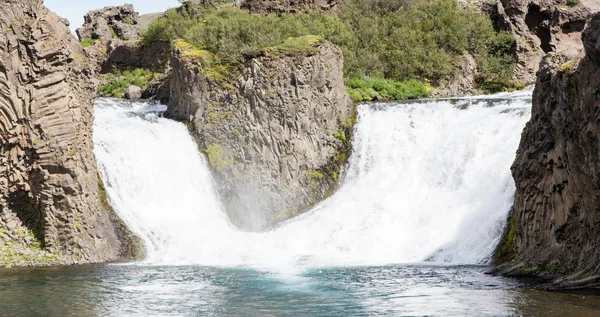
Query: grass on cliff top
88, 42
118, 82
393, 39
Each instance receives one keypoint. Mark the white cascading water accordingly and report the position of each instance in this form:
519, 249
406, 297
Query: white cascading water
428, 180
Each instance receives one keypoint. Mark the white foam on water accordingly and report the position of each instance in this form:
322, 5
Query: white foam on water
427, 180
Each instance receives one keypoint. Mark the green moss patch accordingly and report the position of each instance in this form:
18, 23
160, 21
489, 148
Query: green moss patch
507, 249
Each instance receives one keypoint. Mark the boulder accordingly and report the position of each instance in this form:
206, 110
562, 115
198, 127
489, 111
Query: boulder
133, 92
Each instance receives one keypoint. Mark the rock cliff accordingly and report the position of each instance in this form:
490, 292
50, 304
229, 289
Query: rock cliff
554, 231
111, 22
539, 27
276, 131
285, 6
53, 209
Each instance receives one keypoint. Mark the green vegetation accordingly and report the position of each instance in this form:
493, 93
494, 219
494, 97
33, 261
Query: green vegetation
119, 81
216, 157
102, 194
566, 67
88, 42
369, 89
403, 41
507, 249
572, 3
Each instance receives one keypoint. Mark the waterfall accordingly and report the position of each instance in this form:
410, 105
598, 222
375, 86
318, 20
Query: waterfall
427, 180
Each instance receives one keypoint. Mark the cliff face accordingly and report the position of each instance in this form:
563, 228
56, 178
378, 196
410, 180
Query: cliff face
555, 228
286, 6
276, 133
540, 27
52, 207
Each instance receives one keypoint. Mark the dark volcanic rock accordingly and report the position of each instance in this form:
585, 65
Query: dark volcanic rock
555, 229
53, 209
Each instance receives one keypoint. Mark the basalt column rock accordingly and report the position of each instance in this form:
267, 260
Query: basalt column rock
554, 231
276, 133
52, 207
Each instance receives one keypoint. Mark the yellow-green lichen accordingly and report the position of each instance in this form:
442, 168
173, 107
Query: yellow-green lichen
216, 157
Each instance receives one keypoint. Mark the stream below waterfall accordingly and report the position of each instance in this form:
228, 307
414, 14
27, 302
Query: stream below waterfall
421, 207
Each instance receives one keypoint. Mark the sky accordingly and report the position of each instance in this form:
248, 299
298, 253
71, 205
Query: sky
74, 10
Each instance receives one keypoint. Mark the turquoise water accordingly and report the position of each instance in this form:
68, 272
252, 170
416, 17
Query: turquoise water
131, 290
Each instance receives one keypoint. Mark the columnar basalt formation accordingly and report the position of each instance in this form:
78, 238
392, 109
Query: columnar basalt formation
554, 231
276, 132
52, 206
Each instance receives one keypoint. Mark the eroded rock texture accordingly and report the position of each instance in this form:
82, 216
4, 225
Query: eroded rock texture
555, 228
276, 135
110, 22
50, 203
540, 27
286, 6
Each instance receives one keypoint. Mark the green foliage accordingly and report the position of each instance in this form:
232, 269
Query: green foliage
368, 89
393, 39
87, 42
102, 194
572, 3
119, 81
566, 67
507, 249
315, 175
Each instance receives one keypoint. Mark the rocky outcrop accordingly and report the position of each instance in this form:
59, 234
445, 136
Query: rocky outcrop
463, 82
116, 52
276, 132
285, 6
122, 55
110, 22
554, 231
53, 209
540, 27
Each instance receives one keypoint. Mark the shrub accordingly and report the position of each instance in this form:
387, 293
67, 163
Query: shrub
118, 81
394, 39
572, 3
369, 89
